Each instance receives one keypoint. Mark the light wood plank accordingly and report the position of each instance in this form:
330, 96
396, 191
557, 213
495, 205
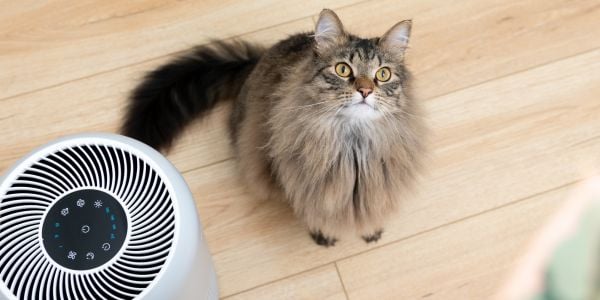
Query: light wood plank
322, 283
56, 42
466, 260
493, 145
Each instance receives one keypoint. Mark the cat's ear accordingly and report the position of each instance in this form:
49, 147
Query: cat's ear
329, 30
396, 39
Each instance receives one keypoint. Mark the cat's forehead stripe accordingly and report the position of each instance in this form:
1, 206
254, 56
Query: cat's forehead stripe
364, 49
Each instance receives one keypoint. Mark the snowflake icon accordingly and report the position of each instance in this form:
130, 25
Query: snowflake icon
80, 202
98, 203
64, 211
72, 255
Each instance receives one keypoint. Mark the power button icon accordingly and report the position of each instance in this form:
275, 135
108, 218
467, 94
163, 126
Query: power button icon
106, 246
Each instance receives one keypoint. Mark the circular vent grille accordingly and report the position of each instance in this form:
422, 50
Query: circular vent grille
26, 268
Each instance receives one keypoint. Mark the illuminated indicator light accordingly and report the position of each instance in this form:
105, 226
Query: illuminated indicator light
107, 210
56, 235
114, 227
112, 236
112, 217
56, 224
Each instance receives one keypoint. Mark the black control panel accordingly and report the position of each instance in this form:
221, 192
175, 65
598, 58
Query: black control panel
84, 229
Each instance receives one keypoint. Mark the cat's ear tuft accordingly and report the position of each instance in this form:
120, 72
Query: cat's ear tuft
329, 30
396, 39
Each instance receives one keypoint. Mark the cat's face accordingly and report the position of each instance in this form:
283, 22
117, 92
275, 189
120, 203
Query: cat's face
359, 79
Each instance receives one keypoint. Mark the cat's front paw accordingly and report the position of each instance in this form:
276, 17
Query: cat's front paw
321, 239
372, 238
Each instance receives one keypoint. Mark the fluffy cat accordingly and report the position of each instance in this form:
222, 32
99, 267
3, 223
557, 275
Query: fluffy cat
324, 120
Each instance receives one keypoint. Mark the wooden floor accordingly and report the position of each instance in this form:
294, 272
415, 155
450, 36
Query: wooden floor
512, 90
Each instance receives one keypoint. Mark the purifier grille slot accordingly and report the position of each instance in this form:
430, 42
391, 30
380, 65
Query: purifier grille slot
30, 273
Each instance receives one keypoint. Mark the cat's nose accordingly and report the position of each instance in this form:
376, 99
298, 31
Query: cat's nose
364, 86
365, 91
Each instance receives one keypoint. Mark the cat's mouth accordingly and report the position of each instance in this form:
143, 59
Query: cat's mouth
360, 105
364, 102
363, 108
368, 102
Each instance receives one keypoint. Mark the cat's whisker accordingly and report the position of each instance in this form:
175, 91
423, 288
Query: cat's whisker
412, 115
316, 114
292, 108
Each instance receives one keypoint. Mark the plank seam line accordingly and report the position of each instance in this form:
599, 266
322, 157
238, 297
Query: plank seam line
206, 166
532, 68
341, 280
276, 280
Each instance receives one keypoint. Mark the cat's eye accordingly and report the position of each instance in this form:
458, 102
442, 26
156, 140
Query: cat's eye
343, 70
384, 74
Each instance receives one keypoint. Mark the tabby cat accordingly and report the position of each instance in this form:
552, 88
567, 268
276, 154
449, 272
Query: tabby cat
324, 120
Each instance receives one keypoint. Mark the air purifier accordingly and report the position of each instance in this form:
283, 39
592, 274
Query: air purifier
100, 216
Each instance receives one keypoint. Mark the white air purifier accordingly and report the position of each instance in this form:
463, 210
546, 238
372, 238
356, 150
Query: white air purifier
100, 216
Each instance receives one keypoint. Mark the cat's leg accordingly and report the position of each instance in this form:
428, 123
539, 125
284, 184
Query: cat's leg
372, 236
322, 239
371, 230
375, 213
321, 231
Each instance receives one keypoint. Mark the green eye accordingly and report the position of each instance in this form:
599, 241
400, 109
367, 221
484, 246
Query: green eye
343, 70
384, 74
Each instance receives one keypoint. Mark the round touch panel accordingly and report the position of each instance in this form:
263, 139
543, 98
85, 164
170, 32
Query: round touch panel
84, 229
